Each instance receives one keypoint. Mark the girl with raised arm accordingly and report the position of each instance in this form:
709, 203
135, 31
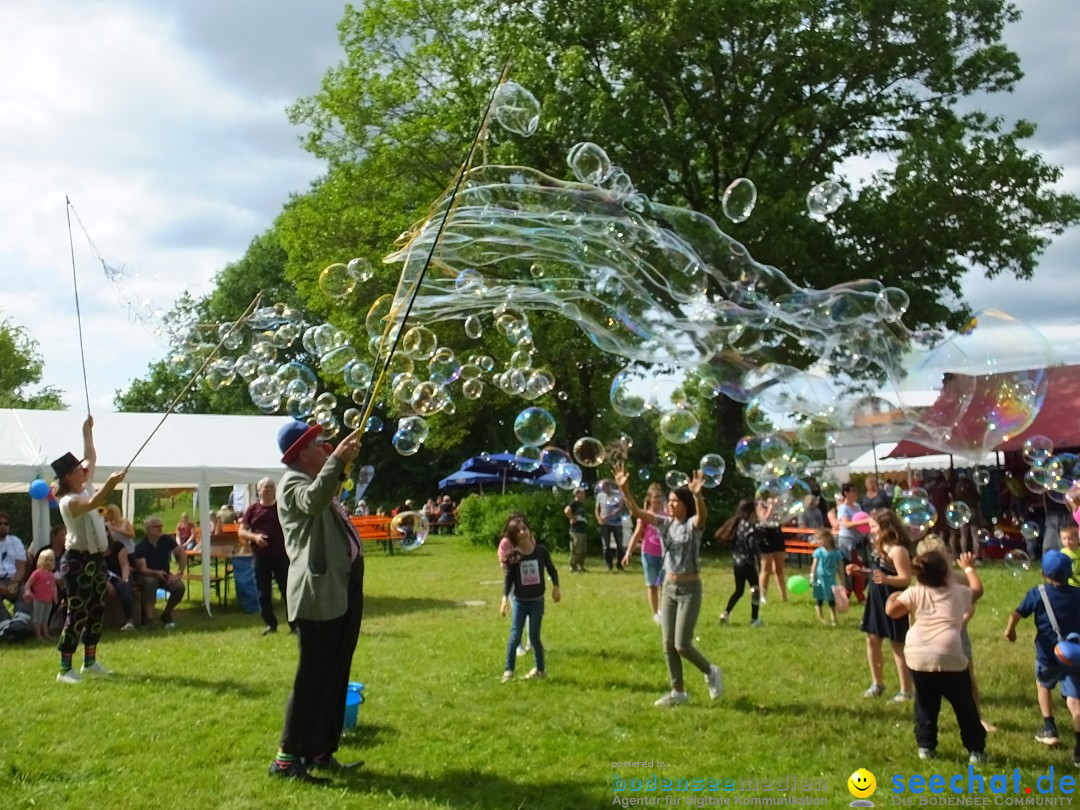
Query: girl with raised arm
680, 601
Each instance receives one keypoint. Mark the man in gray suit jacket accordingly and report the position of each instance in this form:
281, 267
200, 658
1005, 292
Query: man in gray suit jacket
325, 597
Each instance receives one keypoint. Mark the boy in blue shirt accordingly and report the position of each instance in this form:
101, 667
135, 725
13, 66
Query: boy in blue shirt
1049, 672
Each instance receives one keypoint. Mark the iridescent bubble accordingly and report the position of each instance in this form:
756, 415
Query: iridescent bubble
300, 406
474, 328
1037, 449
589, 452
373, 425
679, 426
469, 280
527, 458
958, 514
775, 448
629, 391
712, 466
674, 479
263, 351
419, 343
415, 426
1029, 530
444, 367
824, 199
515, 108
739, 199
534, 427
486, 362
1017, 562
589, 163
335, 281
329, 423
668, 459
1038, 480
360, 269
644, 474
351, 418
550, 456
539, 382
567, 476
357, 374
219, 374
918, 514
337, 360
412, 527
285, 335
981, 477
429, 398
608, 495
326, 401
472, 389
405, 444
245, 365
403, 386
231, 338
378, 317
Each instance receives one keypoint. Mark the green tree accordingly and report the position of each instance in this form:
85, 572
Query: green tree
686, 96
21, 370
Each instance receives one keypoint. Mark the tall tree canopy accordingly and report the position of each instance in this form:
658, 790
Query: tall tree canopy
21, 370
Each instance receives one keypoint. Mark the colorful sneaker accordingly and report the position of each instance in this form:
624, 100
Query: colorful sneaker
71, 676
875, 690
977, 757
672, 698
1047, 736
508, 675
927, 753
94, 669
715, 680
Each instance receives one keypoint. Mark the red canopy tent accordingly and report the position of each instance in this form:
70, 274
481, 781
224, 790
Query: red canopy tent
1058, 419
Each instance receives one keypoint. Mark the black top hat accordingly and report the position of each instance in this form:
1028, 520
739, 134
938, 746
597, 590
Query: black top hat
65, 464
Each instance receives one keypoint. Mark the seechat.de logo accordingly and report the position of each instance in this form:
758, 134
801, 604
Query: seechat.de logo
862, 785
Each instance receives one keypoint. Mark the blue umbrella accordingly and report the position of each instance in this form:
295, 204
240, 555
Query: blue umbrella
499, 463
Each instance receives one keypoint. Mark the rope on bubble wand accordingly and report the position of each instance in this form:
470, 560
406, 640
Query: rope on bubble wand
410, 297
78, 311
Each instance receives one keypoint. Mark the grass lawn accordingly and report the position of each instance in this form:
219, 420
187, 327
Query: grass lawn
191, 718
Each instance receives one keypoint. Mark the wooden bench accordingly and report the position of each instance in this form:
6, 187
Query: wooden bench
797, 542
375, 529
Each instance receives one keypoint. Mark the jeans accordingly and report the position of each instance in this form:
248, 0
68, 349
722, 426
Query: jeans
612, 556
124, 597
267, 570
521, 609
680, 604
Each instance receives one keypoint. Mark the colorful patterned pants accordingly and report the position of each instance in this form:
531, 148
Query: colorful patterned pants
85, 576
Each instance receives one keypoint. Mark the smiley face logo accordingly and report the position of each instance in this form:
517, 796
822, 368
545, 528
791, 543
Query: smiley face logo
862, 784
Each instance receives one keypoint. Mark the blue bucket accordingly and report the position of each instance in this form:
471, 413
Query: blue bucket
352, 708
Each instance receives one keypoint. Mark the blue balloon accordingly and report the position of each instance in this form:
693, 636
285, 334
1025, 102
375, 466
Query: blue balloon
39, 490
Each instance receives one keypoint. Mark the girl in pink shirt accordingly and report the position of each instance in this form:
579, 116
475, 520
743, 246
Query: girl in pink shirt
652, 555
508, 555
41, 592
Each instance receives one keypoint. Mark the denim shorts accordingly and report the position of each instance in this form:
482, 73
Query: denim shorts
1051, 673
654, 569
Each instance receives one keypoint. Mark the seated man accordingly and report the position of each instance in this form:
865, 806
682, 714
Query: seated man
13, 571
447, 518
152, 566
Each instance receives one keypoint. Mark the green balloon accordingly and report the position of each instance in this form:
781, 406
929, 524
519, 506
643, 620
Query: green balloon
797, 584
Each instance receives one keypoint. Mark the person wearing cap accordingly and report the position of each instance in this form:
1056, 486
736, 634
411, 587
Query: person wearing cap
325, 597
12, 570
1058, 597
578, 516
82, 567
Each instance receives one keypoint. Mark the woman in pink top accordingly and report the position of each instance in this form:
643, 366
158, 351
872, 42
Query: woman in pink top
652, 555
508, 555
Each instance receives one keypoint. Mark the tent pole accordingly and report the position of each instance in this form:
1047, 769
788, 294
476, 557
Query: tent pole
873, 451
204, 544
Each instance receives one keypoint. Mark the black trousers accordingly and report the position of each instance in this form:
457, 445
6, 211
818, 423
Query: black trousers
955, 687
316, 709
267, 571
745, 575
612, 556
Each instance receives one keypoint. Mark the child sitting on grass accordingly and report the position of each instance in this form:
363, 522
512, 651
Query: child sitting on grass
526, 564
1064, 603
824, 573
935, 655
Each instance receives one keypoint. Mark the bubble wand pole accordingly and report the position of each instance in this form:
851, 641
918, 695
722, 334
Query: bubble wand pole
373, 389
239, 321
78, 313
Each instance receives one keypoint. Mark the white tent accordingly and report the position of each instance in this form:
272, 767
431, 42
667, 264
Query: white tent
188, 451
939, 461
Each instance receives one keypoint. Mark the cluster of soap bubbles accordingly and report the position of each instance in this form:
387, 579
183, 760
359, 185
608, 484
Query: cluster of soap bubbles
1055, 475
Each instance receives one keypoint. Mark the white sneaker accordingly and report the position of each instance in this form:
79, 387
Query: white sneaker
508, 676
127, 627
656, 618
521, 651
95, 669
757, 623
672, 698
71, 676
761, 600
715, 679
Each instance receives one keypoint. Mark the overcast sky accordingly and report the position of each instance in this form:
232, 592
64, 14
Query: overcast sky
165, 123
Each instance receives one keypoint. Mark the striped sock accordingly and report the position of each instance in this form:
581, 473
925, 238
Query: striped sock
65, 662
283, 760
90, 655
